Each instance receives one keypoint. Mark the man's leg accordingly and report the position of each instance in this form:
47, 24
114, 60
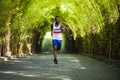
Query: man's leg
54, 43
54, 51
55, 54
59, 45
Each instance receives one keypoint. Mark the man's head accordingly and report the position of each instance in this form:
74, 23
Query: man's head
57, 19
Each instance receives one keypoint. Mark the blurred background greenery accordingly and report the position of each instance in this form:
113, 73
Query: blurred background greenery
92, 26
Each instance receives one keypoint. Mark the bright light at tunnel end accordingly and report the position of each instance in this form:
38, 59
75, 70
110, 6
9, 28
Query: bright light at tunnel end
48, 35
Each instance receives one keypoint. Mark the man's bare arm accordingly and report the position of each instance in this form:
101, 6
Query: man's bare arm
51, 29
62, 28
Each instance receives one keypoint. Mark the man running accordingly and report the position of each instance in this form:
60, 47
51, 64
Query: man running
56, 31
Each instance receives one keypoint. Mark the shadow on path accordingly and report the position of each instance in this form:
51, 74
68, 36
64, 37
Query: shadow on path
69, 67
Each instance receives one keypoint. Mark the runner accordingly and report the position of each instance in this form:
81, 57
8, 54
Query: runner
56, 31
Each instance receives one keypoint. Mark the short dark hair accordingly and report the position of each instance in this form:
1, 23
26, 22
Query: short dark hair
57, 16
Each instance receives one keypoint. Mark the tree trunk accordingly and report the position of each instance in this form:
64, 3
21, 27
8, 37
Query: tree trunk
3, 48
110, 49
8, 52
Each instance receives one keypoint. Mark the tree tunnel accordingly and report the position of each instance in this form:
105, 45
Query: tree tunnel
92, 26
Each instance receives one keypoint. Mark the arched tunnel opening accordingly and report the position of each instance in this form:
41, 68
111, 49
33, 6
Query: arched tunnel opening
47, 43
44, 44
92, 27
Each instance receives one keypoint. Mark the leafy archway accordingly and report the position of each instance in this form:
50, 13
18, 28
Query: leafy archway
91, 25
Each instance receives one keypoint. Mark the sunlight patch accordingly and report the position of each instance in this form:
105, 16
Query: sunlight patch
82, 68
48, 35
7, 72
62, 77
75, 61
21, 73
20, 61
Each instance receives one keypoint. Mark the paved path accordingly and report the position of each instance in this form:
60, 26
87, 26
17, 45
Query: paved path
69, 67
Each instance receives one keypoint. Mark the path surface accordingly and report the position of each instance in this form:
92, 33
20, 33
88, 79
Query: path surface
69, 67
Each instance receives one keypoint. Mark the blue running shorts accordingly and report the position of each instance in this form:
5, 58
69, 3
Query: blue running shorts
56, 42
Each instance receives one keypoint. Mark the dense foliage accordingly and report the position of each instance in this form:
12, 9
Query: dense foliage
92, 26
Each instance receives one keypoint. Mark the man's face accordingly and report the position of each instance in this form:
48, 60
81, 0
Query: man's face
57, 19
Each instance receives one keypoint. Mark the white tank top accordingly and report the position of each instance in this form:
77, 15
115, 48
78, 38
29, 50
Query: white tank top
57, 32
